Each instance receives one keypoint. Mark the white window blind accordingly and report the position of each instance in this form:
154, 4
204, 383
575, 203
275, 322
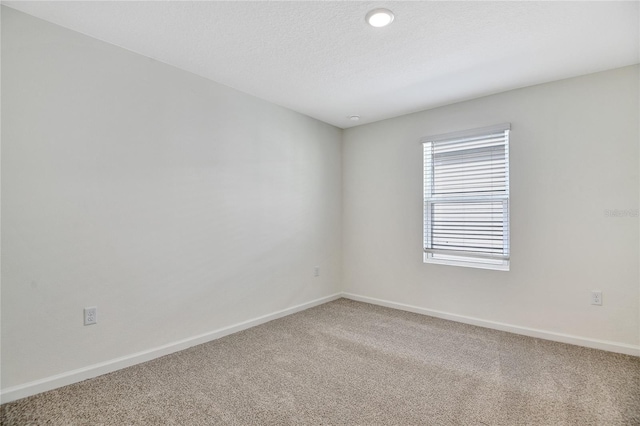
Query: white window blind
466, 198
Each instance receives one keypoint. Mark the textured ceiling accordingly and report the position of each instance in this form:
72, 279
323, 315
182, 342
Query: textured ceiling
323, 60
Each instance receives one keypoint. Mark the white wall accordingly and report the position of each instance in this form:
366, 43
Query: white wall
574, 154
176, 205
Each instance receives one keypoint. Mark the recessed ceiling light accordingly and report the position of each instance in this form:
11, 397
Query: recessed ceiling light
379, 17
354, 117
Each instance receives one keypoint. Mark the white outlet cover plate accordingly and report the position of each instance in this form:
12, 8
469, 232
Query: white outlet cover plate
90, 315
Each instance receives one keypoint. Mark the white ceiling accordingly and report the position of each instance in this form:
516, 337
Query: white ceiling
323, 60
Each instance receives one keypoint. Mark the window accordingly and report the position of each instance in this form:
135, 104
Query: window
466, 198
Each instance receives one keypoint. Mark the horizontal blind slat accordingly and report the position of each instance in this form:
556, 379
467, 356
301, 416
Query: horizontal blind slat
458, 169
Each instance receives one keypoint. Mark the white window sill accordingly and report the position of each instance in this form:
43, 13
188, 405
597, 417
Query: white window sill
496, 265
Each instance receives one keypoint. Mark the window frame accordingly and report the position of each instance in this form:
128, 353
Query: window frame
500, 262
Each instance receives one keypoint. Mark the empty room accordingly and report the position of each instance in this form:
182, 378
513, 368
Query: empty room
320, 213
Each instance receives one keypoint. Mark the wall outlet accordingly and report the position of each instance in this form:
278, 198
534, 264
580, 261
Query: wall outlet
596, 298
90, 315
316, 271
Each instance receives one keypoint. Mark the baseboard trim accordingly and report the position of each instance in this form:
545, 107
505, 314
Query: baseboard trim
95, 370
605, 345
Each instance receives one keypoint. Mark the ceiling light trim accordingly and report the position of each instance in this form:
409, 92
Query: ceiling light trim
379, 18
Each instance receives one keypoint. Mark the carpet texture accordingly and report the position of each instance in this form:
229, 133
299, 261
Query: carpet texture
352, 363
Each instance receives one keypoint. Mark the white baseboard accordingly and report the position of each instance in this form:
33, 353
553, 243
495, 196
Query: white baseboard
74, 376
605, 345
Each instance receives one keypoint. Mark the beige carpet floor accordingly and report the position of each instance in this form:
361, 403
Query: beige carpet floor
351, 363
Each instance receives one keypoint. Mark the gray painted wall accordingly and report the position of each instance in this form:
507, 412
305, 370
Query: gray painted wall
573, 155
176, 205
